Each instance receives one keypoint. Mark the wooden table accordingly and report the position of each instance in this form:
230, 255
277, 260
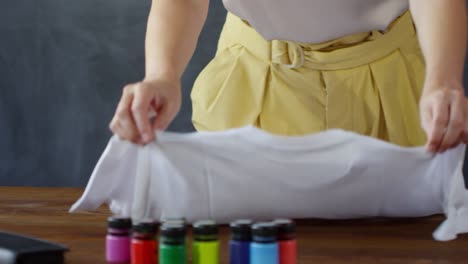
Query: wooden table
42, 212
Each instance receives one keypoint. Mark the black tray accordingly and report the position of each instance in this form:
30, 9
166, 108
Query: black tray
19, 249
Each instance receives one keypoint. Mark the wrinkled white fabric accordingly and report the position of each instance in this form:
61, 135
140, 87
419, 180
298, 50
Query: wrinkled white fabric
249, 173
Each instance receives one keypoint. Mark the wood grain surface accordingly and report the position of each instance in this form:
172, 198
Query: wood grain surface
43, 212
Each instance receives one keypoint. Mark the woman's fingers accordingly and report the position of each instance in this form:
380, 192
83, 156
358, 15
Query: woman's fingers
144, 107
439, 109
166, 114
465, 126
455, 127
140, 110
122, 123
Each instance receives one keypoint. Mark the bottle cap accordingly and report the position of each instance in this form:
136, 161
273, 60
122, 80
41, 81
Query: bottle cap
173, 233
145, 227
119, 222
241, 230
205, 230
264, 232
286, 229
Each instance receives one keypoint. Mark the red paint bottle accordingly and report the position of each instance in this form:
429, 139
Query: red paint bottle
144, 245
286, 241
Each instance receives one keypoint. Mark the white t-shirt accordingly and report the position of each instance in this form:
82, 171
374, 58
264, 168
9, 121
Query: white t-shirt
248, 173
316, 21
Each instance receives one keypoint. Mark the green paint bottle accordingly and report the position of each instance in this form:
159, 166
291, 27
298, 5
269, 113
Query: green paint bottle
172, 248
206, 243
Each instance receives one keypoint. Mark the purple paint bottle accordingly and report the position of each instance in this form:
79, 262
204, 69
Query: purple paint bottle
118, 240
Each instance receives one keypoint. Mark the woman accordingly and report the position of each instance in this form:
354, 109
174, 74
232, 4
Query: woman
302, 66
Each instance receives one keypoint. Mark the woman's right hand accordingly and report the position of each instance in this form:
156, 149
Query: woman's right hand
133, 119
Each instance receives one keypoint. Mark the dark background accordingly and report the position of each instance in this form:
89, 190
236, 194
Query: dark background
62, 67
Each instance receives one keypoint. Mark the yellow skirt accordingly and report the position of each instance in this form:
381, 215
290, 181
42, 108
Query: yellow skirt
369, 83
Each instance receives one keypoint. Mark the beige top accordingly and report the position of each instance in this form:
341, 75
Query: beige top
316, 21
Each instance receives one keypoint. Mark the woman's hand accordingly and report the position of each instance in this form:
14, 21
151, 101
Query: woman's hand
444, 116
133, 121
442, 32
172, 33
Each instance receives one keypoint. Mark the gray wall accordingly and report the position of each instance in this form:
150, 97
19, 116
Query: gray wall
62, 67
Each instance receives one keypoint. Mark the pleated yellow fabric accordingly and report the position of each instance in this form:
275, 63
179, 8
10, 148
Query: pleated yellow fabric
369, 83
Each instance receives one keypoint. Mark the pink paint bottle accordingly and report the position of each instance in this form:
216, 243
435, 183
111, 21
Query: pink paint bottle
118, 240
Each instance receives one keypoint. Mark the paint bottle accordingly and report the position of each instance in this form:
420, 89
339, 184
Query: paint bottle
264, 246
286, 241
118, 239
143, 249
239, 245
206, 243
172, 248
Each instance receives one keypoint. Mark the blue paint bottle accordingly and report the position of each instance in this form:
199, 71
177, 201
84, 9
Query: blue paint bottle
264, 246
239, 245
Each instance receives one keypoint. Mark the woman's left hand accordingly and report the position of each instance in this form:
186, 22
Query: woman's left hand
444, 116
